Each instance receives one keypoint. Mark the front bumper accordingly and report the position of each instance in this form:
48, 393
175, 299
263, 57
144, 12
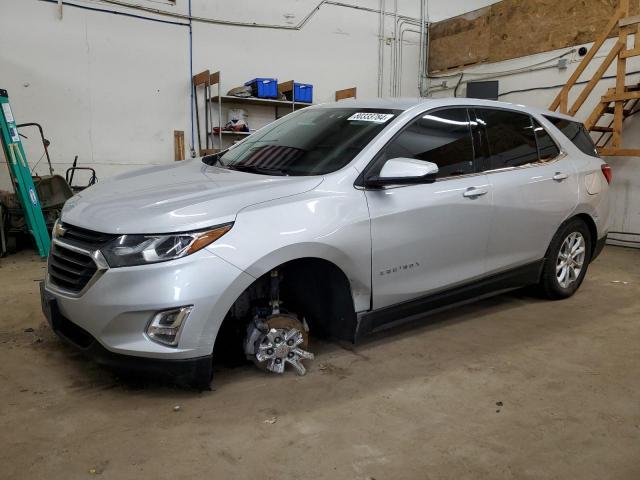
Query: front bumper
112, 315
194, 371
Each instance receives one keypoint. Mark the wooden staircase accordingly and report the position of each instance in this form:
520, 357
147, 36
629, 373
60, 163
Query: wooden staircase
605, 112
619, 102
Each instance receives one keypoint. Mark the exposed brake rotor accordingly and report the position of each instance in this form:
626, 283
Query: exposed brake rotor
276, 341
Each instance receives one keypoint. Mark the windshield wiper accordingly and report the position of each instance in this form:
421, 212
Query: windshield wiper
256, 169
214, 159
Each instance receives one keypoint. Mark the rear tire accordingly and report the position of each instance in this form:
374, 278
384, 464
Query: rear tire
566, 261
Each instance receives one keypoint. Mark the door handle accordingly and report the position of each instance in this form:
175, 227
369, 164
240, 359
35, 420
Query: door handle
559, 176
474, 192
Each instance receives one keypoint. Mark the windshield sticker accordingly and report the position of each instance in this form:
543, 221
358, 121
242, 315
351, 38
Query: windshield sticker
371, 117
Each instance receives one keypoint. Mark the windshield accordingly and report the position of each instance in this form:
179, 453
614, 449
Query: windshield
308, 142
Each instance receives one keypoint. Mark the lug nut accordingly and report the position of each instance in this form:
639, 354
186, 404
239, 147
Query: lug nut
277, 340
290, 354
290, 342
270, 351
278, 360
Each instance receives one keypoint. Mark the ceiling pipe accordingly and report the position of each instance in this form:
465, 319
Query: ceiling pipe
234, 23
395, 90
394, 56
401, 55
381, 40
421, 60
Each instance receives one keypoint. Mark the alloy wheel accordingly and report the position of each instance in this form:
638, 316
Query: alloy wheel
570, 259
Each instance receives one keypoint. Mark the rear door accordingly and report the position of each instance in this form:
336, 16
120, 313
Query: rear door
534, 187
428, 237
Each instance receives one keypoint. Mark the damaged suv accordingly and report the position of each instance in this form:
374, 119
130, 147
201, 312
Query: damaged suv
338, 219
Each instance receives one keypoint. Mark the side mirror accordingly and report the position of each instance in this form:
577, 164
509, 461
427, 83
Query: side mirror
404, 171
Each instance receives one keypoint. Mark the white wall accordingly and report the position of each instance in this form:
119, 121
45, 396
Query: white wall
112, 89
109, 89
539, 71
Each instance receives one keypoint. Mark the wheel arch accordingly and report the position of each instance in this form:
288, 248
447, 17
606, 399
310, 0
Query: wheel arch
358, 276
320, 290
550, 284
593, 229
313, 287
591, 226
587, 218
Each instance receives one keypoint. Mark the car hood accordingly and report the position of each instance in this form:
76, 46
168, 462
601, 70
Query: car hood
181, 197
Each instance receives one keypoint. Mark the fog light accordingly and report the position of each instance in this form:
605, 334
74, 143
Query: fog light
166, 326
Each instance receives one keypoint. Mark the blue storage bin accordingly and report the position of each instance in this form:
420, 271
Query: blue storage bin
264, 87
304, 92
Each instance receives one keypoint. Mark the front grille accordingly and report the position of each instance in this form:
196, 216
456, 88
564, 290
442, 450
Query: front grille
85, 238
70, 269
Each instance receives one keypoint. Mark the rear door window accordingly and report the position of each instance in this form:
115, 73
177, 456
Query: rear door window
511, 138
442, 137
575, 132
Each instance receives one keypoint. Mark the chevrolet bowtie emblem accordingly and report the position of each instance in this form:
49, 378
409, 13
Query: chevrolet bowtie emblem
59, 230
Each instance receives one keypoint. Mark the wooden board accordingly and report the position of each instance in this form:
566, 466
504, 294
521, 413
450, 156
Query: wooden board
178, 145
346, 93
516, 28
285, 87
201, 78
459, 41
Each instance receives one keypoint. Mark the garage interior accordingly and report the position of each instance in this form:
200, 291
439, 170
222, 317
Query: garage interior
509, 387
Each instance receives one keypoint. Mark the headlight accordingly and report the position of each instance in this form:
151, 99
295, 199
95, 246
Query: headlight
128, 250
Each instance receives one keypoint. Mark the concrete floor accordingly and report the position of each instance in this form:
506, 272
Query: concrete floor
509, 388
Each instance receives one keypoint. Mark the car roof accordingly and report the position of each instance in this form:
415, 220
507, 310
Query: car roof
409, 103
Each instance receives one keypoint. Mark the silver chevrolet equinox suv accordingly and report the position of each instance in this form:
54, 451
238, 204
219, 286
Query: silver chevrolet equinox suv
336, 220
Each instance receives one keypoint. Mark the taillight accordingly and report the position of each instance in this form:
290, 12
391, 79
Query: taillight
606, 171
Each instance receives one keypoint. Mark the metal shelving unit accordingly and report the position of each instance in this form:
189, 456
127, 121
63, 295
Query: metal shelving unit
208, 80
264, 102
235, 133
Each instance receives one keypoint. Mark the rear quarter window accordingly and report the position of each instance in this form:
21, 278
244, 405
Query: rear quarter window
547, 148
575, 132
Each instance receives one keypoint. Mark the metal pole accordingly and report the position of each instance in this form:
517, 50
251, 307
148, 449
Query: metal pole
395, 49
421, 60
219, 110
193, 139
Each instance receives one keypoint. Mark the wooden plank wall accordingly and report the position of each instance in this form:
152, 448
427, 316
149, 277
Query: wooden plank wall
517, 28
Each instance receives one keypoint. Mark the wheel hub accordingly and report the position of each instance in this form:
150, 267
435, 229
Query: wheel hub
276, 342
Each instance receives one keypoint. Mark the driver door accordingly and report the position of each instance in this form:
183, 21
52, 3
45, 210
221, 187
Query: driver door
428, 237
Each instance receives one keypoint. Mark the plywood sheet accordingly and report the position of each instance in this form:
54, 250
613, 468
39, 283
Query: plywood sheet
516, 28
459, 41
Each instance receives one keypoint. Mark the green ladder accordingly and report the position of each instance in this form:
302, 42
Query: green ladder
21, 176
